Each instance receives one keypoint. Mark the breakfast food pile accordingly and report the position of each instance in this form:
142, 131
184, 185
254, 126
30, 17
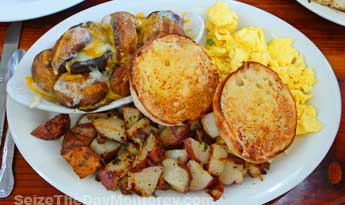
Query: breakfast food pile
201, 118
229, 48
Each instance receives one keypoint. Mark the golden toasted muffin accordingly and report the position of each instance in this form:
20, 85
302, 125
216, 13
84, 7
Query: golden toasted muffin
172, 80
255, 113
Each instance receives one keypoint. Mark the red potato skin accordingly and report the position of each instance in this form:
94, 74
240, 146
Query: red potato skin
107, 178
53, 128
189, 149
162, 184
157, 155
144, 163
181, 132
79, 136
185, 167
123, 185
174, 137
216, 190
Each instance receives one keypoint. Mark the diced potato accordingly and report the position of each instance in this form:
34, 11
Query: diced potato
173, 136
201, 179
83, 161
114, 171
105, 147
177, 176
90, 117
216, 190
132, 148
144, 182
151, 152
139, 125
256, 170
131, 116
218, 156
196, 150
53, 128
209, 124
233, 173
79, 136
338, 4
179, 154
112, 128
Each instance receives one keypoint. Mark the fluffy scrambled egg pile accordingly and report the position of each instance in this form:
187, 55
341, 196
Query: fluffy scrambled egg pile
229, 48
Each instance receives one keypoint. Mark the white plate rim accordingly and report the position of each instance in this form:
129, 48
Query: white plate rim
35, 9
275, 193
325, 12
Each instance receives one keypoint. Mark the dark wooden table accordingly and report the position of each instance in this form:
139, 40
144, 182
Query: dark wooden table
329, 37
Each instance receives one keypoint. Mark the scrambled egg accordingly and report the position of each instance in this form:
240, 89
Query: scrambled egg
229, 48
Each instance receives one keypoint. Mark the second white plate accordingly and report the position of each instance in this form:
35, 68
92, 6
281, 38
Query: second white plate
330, 14
18, 10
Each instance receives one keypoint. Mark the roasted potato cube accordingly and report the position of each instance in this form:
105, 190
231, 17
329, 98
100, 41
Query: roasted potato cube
338, 4
218, 156
151, 152
233, 173
196, 150
216, 190
53, 128
144, 181
132, 148
201, 179
179, 154
114, 171
177, 176
131, 115
105, 147
42, 72
123, 185
112, 128
209, 124
139, 125
174, 136
256, 170
79, 136
90, 117
83, 161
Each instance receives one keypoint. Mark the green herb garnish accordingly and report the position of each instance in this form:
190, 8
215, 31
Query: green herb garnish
210, 42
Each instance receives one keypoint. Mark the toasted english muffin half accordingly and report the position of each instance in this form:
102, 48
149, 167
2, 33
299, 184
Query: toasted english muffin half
172, 80
255, 113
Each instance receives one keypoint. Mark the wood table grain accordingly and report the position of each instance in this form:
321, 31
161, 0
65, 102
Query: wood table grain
329, 37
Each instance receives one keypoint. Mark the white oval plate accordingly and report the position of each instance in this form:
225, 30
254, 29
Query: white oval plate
18, 10
286, 171
20, 92
328, 13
